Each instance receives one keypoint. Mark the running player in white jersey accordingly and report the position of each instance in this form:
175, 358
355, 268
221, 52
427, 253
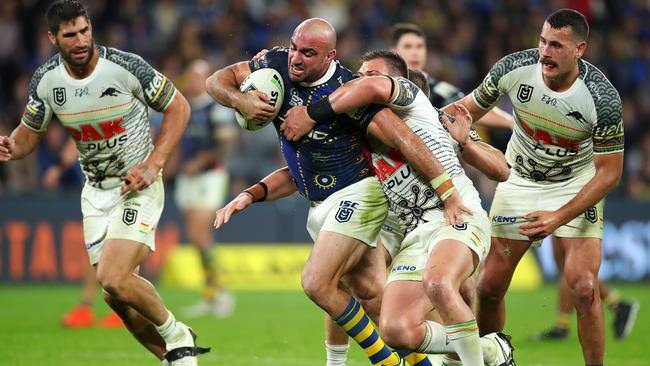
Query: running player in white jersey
567, 154
101, 95
432, 253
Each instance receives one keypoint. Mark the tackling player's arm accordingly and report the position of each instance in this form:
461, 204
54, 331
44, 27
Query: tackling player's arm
224, 84
274, 186
350, 96
496, 117
474, 151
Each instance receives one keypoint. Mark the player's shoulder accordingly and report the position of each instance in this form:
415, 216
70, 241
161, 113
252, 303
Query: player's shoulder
129, 61
597, 83
405, 93
46, 67
517, 60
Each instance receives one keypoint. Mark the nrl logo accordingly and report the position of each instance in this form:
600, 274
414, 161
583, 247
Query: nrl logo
525, 93
59, 96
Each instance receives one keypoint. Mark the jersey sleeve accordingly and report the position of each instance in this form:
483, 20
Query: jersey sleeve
152, 88
487, 94
38, 112
273, 59
608, 135
403, 92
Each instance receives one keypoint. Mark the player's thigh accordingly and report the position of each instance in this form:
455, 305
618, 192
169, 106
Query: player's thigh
368, 276
497, 268
450, 262
405, 304
120, 258
582, 259
332, 256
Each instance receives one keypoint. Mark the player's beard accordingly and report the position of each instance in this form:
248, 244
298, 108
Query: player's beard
67, 56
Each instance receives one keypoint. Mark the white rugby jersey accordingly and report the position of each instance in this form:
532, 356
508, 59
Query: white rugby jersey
410, 195
105, 113
555, 134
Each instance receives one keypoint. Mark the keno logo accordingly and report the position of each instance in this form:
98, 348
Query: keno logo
346, 209
506, 219
404, 268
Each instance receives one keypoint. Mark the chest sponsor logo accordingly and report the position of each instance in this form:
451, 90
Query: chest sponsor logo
109, 92
544, 137
129, 216
90, 132
387, 165
345, 211
59, 96
525, 93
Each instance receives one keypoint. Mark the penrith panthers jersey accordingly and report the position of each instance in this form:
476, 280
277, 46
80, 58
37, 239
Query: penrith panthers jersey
105, 113
555, 134
410, 195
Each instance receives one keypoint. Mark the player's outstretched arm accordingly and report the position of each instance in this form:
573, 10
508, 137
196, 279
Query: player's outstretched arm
175, 118
609, 168
299, 120
274, 186
19, 144
482, 156
223, 86
392, 131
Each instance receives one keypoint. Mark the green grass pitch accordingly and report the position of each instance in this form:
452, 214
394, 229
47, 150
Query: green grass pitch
274, 328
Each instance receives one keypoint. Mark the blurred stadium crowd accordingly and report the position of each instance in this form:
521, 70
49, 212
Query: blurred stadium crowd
464, 37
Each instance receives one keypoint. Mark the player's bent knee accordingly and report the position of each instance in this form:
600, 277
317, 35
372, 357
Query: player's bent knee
439, 289
489, 288
398, 332
315, 288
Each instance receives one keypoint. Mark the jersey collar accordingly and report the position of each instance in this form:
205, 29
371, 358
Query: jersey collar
328, 75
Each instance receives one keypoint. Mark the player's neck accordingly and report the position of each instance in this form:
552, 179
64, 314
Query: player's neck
563, 82
82, 72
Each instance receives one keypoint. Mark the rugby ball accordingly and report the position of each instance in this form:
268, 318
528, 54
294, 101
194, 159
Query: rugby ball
267, 81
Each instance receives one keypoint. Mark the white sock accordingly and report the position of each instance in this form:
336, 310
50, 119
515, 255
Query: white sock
170, 331
337, 354
489, 351
466, 342
447, 361
435, 339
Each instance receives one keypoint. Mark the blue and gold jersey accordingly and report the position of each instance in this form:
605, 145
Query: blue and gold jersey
333, 155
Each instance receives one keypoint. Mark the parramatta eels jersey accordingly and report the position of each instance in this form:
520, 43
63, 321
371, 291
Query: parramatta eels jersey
105, 113
555, 134
334, 154
410, 195
441, 93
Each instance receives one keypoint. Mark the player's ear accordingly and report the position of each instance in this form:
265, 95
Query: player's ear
582, 47
52, 38
331, 55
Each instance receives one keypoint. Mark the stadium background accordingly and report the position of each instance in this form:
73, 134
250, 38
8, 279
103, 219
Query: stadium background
41, 247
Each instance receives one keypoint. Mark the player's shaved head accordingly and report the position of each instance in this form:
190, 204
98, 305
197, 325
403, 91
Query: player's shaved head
313, 48
319, 30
